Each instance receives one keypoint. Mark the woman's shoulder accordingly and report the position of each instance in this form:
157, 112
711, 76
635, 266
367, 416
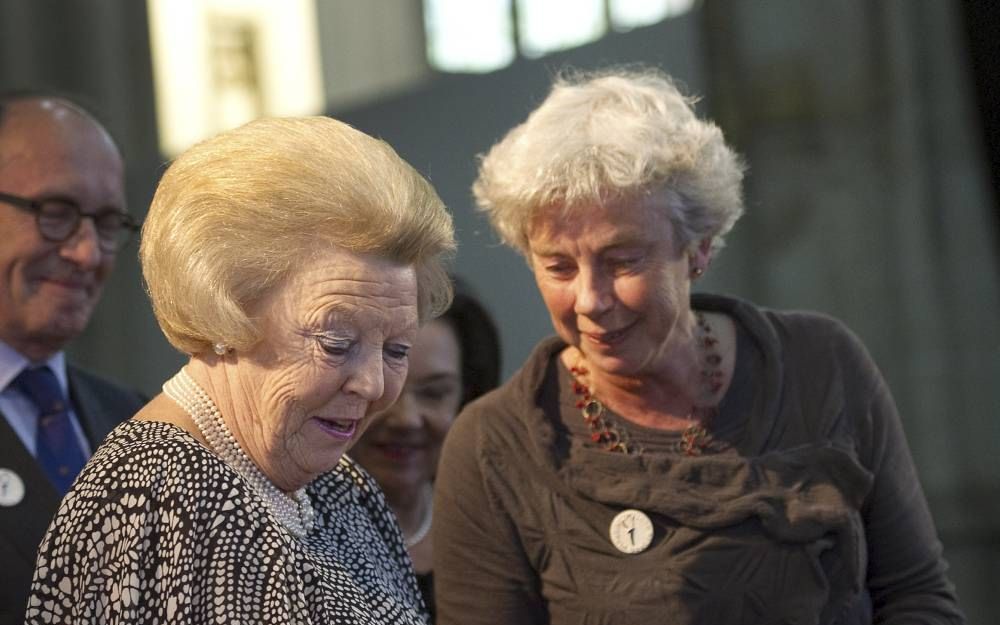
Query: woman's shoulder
811, 335
827, 367
509, 421
793, 332
136, 440
797, 321
150, 478
772, 324
159, 460
809, 350
498, 411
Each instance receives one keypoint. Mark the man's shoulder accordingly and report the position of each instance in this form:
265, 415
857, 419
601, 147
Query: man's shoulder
101, 386
100, 403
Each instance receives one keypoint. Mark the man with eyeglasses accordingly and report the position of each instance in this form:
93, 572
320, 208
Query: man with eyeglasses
62, 221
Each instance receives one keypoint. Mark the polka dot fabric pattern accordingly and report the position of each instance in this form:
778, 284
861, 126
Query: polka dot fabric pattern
158, 529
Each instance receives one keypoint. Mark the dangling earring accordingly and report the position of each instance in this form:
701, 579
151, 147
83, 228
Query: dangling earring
220, 348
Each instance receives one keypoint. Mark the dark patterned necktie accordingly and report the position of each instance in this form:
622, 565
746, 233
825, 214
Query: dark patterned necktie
57, 448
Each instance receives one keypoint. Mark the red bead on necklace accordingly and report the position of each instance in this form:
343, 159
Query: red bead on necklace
603, 431
695, 439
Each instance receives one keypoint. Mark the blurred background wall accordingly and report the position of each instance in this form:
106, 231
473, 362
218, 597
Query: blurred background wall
871, 196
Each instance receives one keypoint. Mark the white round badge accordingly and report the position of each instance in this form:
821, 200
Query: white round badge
631, 531
11, 488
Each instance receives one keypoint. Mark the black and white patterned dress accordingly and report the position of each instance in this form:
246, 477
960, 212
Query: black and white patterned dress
158, 529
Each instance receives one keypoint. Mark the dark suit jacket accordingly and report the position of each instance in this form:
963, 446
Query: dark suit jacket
100, 406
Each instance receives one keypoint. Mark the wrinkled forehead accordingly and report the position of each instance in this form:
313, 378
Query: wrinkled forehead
345, 287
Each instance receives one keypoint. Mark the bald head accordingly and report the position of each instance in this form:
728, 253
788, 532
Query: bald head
48, 110
47, 100
51, 150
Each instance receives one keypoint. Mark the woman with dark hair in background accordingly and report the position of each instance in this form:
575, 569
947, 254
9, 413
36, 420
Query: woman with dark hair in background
454, 359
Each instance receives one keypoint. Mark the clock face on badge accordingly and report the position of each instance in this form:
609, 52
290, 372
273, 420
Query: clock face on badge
631, 531
11, 488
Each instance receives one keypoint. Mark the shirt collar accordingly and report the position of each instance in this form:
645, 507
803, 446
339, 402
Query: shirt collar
12, 362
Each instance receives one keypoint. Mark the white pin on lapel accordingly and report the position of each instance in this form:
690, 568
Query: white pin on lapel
11, 488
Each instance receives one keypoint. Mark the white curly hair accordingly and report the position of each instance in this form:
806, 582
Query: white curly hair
609, 135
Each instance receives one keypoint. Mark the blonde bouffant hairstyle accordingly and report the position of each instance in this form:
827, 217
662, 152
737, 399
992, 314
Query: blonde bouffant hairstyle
236, 214
614, 134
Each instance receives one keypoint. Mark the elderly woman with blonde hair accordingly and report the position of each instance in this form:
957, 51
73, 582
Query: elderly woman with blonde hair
668, 457
292, 260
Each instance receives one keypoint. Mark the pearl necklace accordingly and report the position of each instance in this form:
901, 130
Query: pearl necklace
294, 512
425, 523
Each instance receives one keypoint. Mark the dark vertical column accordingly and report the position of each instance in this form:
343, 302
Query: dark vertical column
981, 22
99, 50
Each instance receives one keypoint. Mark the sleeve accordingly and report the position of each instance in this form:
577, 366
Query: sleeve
481, 572
906, 571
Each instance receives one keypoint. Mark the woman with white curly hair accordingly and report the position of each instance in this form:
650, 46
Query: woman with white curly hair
668, 457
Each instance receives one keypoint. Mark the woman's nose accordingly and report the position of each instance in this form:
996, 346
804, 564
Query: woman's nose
594, 294
366, 379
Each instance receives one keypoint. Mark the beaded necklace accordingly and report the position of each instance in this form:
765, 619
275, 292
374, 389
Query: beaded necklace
294, 512
695, 439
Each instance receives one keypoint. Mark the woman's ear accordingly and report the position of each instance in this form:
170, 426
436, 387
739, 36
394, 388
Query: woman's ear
699, 257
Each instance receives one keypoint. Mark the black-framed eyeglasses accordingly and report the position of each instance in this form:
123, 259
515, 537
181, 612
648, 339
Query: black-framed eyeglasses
59, 219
